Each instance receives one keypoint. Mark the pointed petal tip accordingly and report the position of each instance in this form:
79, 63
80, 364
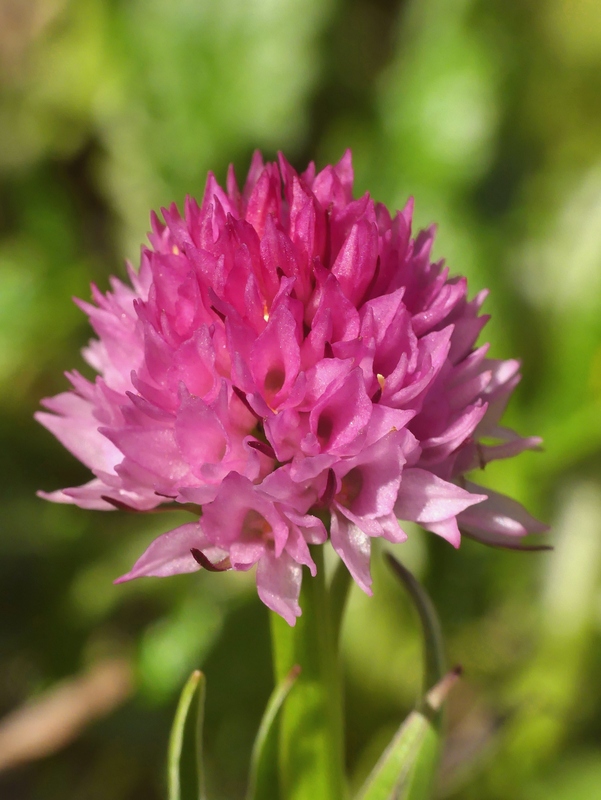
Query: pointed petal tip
506, 542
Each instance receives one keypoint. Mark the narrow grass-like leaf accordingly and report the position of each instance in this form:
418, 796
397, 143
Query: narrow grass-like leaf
263, 776
186, 735
405, 769
434, 658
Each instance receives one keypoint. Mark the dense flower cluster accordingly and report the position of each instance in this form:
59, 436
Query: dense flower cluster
289, 355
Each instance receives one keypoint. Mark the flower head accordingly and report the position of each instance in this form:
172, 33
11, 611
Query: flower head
284, 355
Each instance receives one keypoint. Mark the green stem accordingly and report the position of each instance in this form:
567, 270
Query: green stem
311, 731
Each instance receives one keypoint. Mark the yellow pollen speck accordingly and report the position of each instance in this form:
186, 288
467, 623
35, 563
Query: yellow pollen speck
175, 250
265, 312
381, 381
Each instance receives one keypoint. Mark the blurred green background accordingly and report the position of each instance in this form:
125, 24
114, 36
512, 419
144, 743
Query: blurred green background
489, 113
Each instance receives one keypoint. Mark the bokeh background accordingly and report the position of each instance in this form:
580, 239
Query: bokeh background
488, 112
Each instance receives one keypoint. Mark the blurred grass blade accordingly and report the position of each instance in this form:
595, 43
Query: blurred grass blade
185, 771
264, 760
406, 768
434, 658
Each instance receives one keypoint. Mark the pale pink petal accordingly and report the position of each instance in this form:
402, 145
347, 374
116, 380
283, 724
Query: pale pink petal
391, 529
447, 529
298, 550
353, 547
86, 496
170, 554
425, 498
80, 435
498, 515
278, 585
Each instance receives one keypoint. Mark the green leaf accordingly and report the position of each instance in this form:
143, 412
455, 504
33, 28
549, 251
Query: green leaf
406, 769
185, 772
263, 764
434, 657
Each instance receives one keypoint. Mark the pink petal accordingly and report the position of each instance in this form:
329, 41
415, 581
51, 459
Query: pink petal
498, 515
425, 498
278, 585
199, 433
355, 263
275, 357
226, 520
155, 450
373, 477
447, 529
86, 496
353, 547
170, 554
80, 435
342, 417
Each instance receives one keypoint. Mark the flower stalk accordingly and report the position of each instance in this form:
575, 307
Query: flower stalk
311, 758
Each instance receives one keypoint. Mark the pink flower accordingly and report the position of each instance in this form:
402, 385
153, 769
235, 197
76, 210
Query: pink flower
287, 354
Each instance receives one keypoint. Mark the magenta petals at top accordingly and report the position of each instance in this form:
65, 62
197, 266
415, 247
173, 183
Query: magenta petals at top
287, 356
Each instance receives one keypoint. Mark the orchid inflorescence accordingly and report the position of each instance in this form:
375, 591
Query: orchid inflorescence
291, 365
